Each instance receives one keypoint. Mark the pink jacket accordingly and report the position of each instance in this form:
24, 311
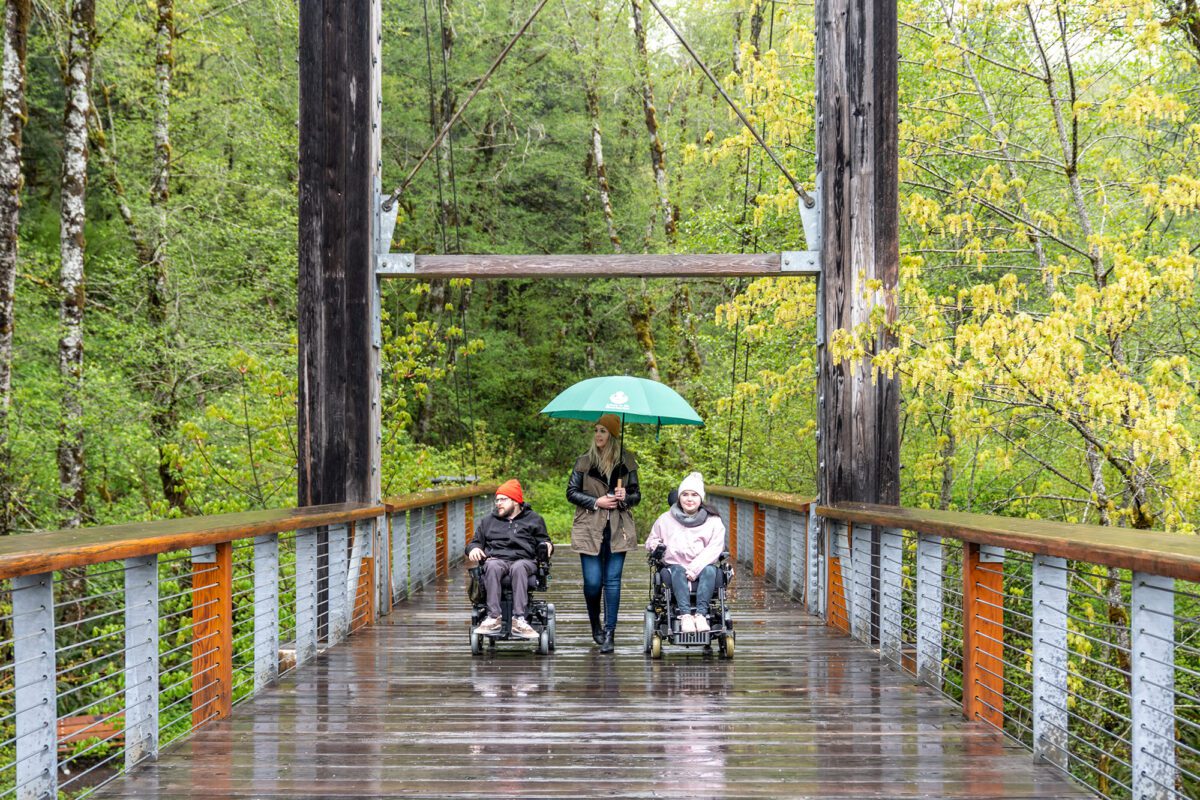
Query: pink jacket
691, 548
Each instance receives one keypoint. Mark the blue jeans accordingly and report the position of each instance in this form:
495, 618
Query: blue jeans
603, 571
706, 584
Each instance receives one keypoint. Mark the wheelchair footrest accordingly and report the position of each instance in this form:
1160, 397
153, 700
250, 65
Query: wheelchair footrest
701, 638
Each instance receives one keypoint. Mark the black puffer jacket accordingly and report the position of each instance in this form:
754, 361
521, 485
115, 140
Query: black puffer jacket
510, 539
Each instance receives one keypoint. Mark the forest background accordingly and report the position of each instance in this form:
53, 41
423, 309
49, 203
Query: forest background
1049, 339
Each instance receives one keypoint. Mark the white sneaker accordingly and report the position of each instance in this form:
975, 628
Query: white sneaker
702, 624
687, 623
489, 627
523, 629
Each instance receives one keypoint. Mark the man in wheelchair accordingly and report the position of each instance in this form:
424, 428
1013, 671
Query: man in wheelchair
686, 545
507, 541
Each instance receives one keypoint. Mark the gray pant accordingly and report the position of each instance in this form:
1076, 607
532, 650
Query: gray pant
494, 570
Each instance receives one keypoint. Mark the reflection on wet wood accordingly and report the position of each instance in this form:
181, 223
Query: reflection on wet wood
402, 709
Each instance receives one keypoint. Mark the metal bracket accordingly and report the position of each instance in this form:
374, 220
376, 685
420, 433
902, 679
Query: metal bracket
204, 554
800, 261
385, 222
810, 218
395, 264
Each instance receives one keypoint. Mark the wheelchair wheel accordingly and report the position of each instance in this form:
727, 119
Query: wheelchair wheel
476, 644
726, 644
656, 646
648, 630
543, 645
551, 625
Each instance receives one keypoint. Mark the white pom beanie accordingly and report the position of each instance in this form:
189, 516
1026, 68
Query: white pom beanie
693, 482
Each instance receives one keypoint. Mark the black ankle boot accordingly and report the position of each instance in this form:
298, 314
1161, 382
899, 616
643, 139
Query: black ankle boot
607, 645
593, 610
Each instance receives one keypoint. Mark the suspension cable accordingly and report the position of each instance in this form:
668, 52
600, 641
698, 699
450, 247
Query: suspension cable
742, 429
464, 300
808, 201
387, 205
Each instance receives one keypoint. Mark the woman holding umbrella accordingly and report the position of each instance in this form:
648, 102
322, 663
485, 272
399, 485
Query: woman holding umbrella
603, 488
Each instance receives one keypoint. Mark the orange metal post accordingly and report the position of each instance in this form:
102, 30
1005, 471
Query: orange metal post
733, 530
364, 600
212, 637
443, 529
760, 540
983, 637
469, 519
835, 591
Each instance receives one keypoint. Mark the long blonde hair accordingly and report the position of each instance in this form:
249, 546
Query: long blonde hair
604, 460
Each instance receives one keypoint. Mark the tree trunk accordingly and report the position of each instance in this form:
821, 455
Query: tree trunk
71, 246
164, 413
641, 312
12, 125
446, 108
657, 154
756, 24
592, 100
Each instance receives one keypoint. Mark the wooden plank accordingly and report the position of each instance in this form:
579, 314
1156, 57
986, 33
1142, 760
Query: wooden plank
791, 502
838, 611
857, 146
30, 554
403, 710
983, 637
1168, 554
212, 637
468, 523
593, 266
760, 540
336, 280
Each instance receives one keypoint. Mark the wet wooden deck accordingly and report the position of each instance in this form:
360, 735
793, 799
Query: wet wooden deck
403, 709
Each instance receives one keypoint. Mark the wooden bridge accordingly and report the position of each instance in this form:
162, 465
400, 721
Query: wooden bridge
218, 668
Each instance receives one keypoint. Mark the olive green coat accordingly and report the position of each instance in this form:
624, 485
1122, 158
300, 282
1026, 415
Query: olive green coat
587, 531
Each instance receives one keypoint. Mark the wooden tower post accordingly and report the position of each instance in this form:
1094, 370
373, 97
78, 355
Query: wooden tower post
857, 150
338, 163
857, 158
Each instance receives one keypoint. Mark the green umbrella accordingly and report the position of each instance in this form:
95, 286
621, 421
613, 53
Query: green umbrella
631, 399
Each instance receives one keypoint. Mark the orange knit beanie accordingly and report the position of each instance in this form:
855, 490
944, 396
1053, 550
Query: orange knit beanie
512, 490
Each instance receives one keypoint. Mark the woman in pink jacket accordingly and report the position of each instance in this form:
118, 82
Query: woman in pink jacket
694, 537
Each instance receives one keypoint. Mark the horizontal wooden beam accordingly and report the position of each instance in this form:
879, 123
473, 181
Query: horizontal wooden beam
1171, 555
594, 266
32, 553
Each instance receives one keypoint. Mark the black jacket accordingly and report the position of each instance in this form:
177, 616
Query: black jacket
577, 496
510, 539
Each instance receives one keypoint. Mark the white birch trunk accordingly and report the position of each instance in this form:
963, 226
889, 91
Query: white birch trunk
12, 125
658, 159
71, 247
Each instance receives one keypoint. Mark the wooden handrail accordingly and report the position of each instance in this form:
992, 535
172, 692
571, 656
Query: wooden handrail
792, 502
433, 497
1168, 554
33, 553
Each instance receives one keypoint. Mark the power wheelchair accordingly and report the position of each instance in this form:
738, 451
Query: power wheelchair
539, 614
662, 615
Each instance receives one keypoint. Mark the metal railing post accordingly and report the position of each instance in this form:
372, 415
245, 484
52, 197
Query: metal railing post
859, 595
1049, 642
891, 563
930, 556
35, 699
266, 610
814, 594
339, 601
1152, 688
306, 595
399, 525
141, 659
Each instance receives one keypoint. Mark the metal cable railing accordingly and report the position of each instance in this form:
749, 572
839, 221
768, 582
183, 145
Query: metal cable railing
104, 662
1083, 648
